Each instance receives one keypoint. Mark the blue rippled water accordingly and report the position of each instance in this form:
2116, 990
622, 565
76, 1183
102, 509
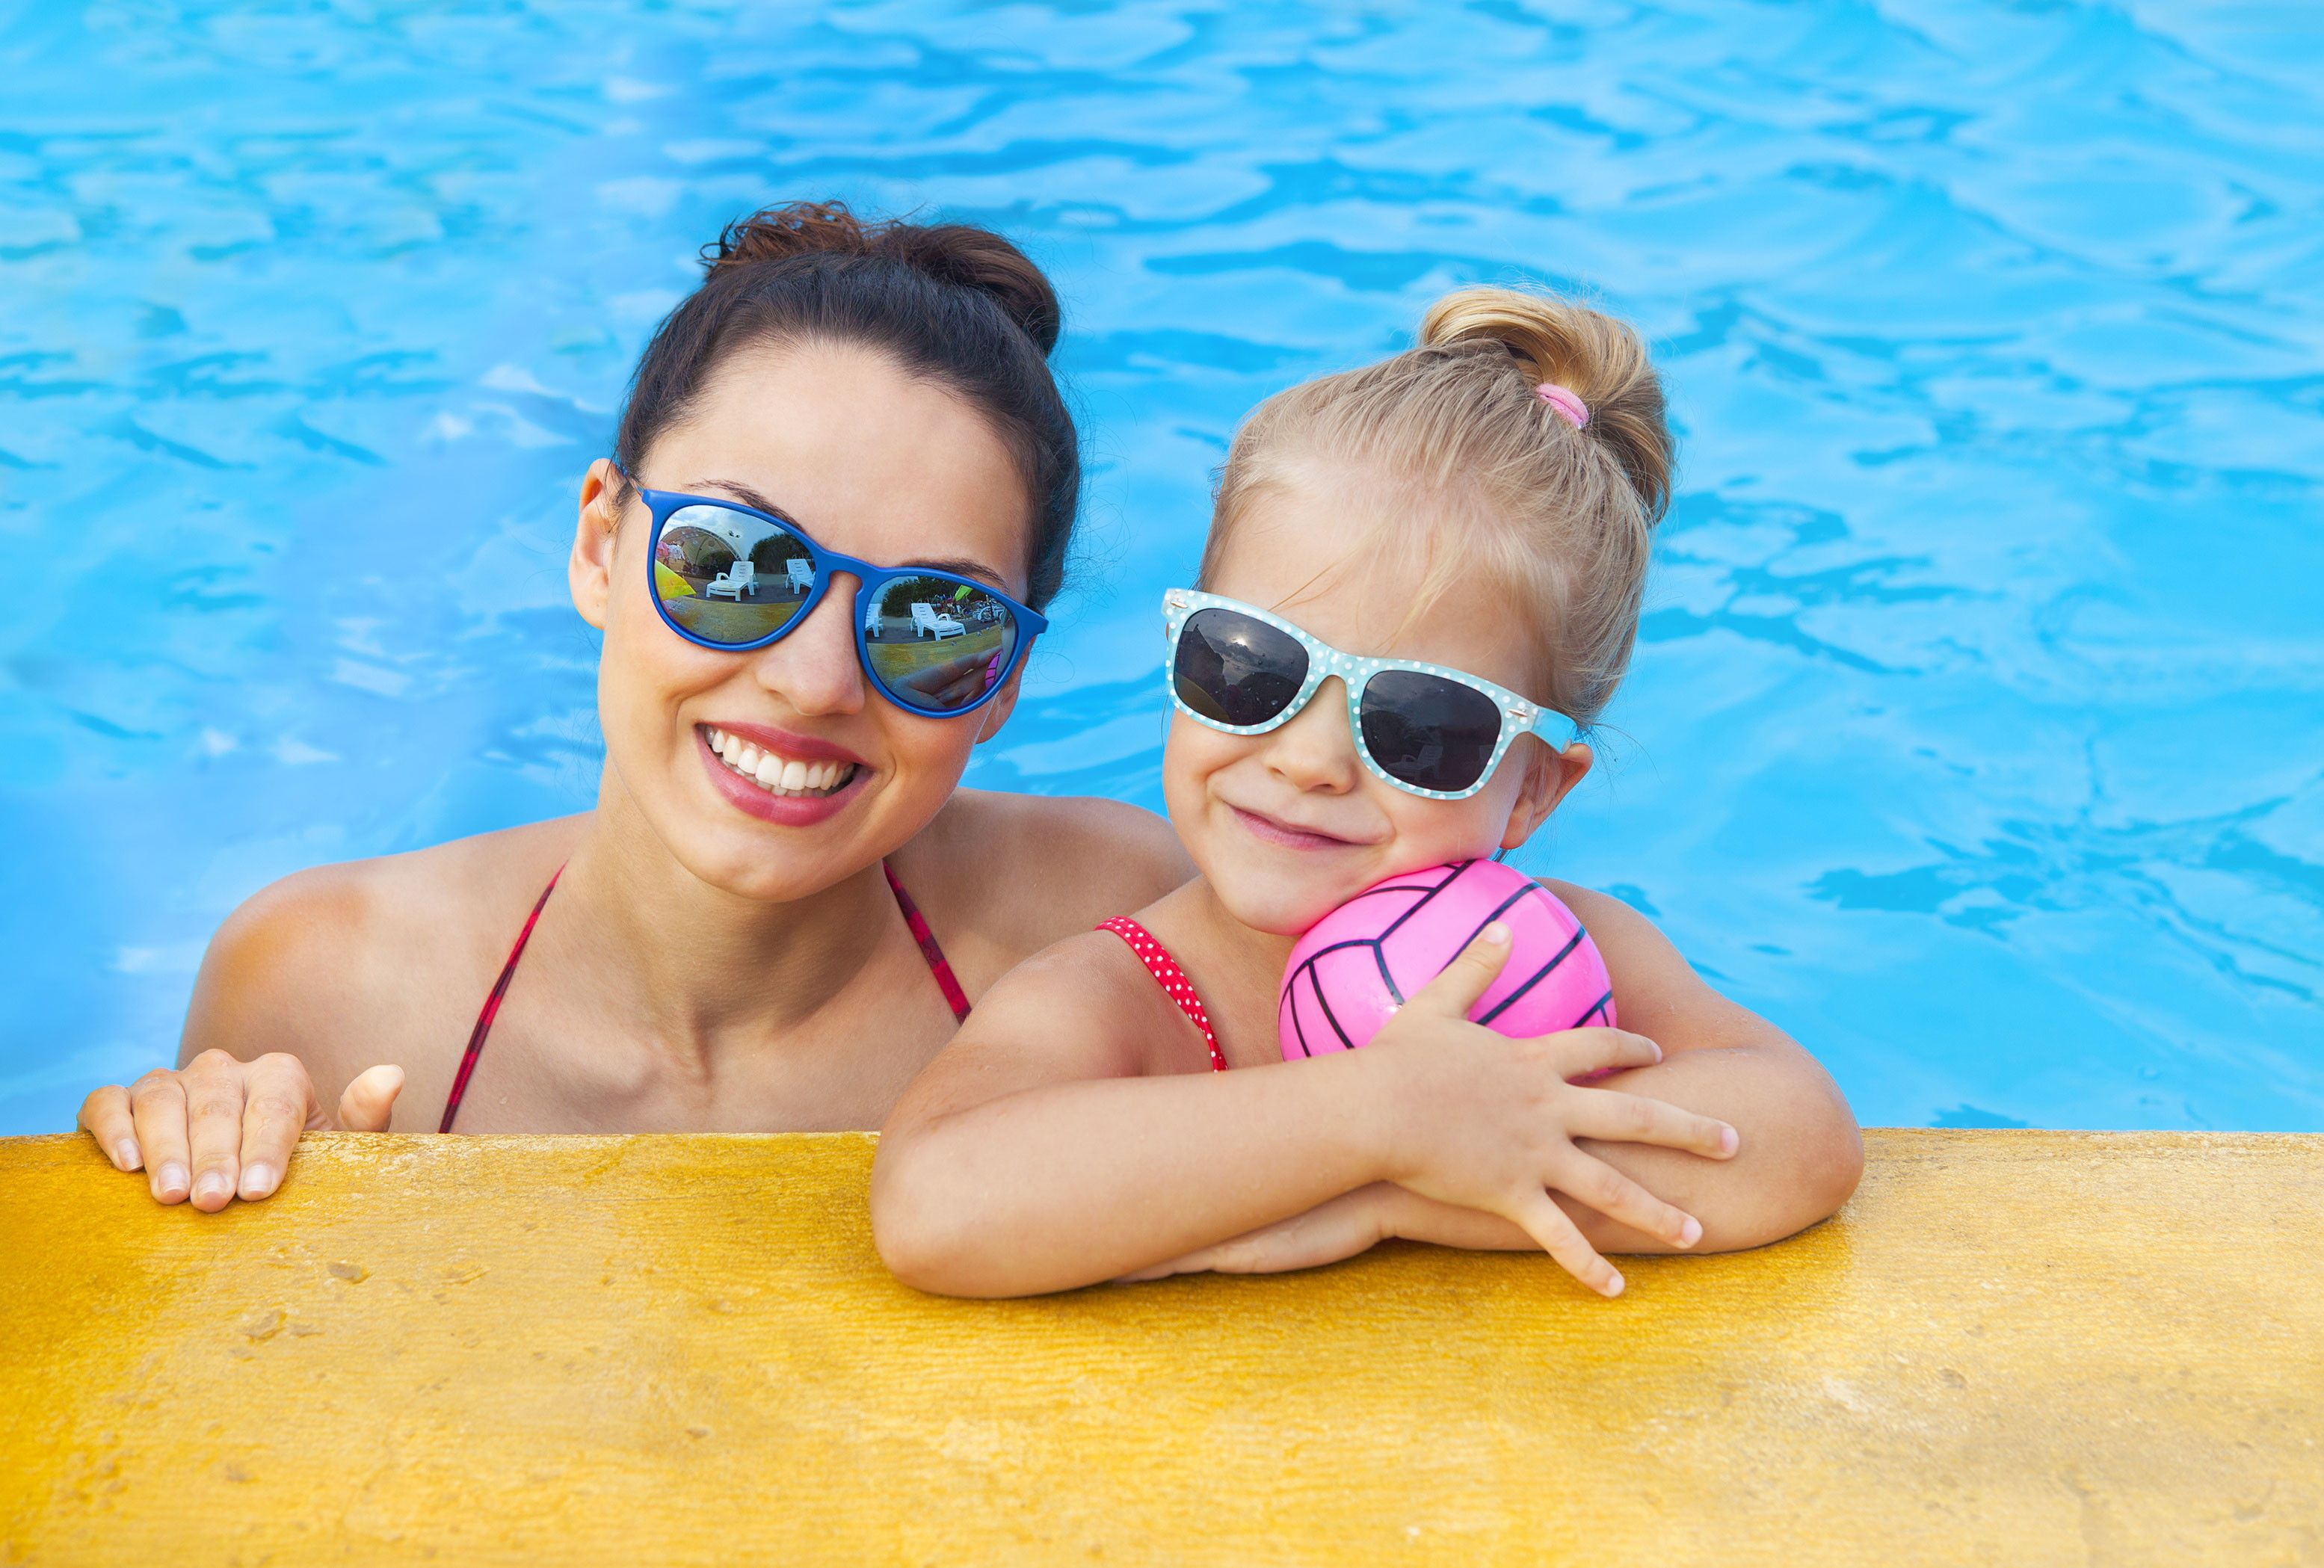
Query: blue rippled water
1978, 732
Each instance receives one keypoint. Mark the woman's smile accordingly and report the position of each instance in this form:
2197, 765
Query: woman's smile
778, 776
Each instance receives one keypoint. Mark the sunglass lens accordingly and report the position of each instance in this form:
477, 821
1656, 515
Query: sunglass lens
935, 644
729, 576
1233, 669
1427, 731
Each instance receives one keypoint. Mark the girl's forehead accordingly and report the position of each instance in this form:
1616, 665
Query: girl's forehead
1355, 578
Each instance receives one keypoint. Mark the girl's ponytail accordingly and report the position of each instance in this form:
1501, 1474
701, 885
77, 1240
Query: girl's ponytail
1596, 357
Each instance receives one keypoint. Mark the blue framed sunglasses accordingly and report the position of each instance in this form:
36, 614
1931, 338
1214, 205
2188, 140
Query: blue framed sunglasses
732, 578
1422, 727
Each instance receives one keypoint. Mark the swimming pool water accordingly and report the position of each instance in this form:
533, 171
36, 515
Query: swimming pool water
1974, 733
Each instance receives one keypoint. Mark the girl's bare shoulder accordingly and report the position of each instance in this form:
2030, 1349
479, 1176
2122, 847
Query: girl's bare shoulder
1002, 876
368, 961
1081, 1008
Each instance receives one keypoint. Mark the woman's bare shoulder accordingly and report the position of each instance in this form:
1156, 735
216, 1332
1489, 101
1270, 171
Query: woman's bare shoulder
339, 963
1002, 876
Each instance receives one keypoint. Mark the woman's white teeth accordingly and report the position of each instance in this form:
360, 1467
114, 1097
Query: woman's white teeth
776, 774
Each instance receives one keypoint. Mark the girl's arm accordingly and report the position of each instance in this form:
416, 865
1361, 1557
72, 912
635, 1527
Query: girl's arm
1050, 1146
1800, 1158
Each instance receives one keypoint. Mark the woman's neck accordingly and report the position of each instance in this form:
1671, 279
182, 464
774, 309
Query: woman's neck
687, 964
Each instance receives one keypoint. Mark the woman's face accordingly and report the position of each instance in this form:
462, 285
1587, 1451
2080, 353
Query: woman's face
870, 463
1288, 825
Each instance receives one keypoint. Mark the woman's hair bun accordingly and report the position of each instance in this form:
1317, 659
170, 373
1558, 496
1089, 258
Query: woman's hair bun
1590, 354
961, 255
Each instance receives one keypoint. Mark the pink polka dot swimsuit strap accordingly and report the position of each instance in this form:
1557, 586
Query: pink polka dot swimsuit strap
1169, 977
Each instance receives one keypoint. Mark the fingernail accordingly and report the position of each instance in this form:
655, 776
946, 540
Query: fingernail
257, 1180
170, 1180
124, 1153
1691, 1232
1728, 1140
1495, 935
212, 1185
1614, 1286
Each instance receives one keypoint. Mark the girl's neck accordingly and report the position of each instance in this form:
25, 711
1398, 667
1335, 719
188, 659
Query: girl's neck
677, 960
1237, 969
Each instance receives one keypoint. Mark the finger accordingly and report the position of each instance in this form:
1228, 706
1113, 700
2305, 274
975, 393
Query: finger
1461, 983
1562, 1239
369, 1103
1618, 1197
105, 1116
277, 1098
1583, 1053
157, 1105
214, 1102
1613, 1117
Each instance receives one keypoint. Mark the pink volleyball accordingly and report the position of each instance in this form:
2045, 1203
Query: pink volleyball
1356, 967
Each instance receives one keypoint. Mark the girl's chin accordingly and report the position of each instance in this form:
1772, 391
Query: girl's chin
1278, 911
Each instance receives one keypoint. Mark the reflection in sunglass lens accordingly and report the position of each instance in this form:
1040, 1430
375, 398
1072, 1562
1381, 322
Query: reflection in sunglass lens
729, 576
937, 645
1428, 731
1236, 670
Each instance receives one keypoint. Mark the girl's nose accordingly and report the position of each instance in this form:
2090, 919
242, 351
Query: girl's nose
814, 668
1316, 751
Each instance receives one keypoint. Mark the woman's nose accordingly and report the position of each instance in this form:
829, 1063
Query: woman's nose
814, 668
1315, 750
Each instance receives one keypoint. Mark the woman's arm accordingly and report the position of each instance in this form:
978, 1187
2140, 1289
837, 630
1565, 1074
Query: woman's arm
1034, 1154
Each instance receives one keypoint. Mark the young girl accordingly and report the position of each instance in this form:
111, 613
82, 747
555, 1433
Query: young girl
1117, 1106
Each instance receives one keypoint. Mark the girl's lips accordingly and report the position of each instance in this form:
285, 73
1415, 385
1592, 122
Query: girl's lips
1266, 830
783, 810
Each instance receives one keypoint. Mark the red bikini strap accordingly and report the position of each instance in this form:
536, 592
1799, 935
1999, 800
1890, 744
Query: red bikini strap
1169, 977
492, 1008
938, 965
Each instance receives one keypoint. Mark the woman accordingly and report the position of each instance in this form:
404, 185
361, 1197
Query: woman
842, 486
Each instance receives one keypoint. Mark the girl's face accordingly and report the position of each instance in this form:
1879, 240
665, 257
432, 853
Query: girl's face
869, 462
1288, 825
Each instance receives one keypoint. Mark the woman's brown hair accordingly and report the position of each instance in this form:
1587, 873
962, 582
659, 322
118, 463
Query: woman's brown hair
952, 302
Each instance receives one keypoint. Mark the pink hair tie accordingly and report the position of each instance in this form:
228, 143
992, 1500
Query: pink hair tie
1564, 401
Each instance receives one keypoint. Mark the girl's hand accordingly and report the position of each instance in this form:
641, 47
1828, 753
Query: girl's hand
218, 1127
1483, 1121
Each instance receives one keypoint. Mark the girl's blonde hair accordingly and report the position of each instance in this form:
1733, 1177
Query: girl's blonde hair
1455, 433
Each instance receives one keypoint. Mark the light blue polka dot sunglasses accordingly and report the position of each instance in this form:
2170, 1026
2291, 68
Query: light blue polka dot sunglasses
1423, 728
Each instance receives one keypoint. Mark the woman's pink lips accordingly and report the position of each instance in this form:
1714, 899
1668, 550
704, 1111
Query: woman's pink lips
784, 810
1269, 831
787, 744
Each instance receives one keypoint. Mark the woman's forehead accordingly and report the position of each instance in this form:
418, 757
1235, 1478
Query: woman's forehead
869, 460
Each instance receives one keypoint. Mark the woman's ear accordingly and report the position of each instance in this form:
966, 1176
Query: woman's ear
589, 570
1549, 776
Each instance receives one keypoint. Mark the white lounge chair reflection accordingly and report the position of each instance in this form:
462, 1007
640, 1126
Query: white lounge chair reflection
738, 580
802, 575
927, 623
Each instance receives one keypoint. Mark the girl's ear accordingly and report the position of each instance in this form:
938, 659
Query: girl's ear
589, 570
1548, 777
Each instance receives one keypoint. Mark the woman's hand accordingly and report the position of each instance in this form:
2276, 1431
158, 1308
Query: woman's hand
217, 1127
1488, 1123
